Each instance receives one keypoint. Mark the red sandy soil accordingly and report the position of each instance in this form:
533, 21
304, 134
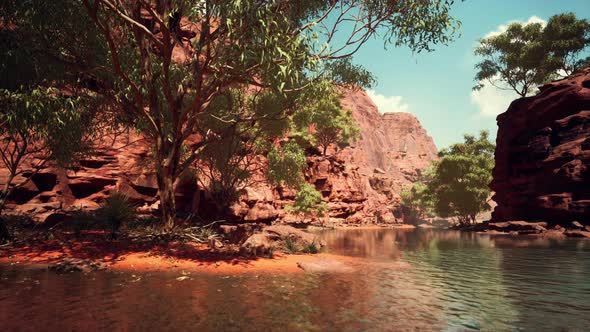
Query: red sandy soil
130, 256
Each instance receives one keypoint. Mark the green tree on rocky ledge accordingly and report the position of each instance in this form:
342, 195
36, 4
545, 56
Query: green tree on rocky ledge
167, 62
308, 202
458, 183
526, 56
324, 122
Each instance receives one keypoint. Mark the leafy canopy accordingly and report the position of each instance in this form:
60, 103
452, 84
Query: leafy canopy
457, 185
526, 56
308, 201
168, 68
323, 121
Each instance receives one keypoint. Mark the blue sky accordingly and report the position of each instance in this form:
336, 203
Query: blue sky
436, 86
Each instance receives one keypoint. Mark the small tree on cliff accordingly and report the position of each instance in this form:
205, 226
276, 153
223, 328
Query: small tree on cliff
168, 61
526, 56
324, 122
458, 185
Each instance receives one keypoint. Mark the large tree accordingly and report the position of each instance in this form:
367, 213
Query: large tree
169, 62
528, 55
457, 185
460, 182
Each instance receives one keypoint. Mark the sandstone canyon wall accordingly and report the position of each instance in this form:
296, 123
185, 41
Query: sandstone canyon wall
361, 182
542, 170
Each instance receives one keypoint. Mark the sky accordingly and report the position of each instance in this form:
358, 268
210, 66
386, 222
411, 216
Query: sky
437, 86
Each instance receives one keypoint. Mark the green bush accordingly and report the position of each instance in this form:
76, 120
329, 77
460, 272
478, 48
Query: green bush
311, 248
290, 246
115, 211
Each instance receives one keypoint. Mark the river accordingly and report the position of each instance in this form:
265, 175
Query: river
399, 280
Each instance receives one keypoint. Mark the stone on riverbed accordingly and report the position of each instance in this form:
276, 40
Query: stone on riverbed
76, 265
324, 265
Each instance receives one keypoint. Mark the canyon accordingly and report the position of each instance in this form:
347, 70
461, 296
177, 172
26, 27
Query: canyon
360, 182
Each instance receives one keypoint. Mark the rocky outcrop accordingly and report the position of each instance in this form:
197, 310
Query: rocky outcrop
283, 237
542, 170
360, 183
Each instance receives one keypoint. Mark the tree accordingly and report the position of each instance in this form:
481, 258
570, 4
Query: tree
167, 62
513, 60
37, 126
47, 114
567, 38
457, 186
324, 122
416, 203
526, 56
460, 185
308, 202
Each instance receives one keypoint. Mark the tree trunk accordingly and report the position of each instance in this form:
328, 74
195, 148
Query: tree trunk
4, 232
325, 149
167, 200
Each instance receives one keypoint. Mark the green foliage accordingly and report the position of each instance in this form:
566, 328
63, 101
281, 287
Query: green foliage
345, 73
172, 88
526, 56
115, 211
459, 186
323, 121
416, 203
285, 164
308, 201
567, 39
290, 246
47, 42
37, 126
311, 248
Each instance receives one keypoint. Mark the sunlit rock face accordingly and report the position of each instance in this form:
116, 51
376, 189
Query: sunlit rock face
543, 155
360, 182
391, 153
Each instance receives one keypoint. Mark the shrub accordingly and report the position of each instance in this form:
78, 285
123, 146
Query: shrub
115, 211
311, 248
290, 246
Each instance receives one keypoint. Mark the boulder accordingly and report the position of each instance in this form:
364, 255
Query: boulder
273, 237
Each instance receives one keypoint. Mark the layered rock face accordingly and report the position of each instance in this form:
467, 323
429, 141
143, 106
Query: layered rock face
542, 170
361, 183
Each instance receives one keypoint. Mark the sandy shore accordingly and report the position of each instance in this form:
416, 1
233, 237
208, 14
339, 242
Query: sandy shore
191, 257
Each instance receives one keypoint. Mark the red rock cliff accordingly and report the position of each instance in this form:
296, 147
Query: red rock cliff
361, 182
543, 155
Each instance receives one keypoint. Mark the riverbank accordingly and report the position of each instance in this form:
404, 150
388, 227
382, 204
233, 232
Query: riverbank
188, 257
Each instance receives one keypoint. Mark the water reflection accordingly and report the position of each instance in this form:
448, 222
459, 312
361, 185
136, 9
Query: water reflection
401, 280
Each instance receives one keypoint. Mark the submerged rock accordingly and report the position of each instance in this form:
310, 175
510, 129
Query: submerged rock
76, 265
324, 265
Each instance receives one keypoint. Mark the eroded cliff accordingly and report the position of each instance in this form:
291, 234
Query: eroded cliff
543, 155
361, 182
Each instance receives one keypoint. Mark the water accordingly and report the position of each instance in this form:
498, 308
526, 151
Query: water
401, 281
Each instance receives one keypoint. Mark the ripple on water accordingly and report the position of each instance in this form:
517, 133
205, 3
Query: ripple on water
400, 280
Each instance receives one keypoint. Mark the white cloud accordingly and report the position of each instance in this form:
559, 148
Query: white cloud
387, 104
492, 101
503, 27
